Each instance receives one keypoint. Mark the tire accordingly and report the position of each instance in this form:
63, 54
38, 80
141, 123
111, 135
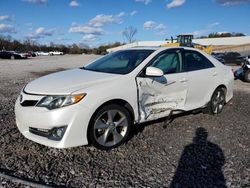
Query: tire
217, 101
12, 57
109, 127
247, 76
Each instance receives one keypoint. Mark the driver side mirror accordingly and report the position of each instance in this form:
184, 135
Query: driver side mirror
153, 71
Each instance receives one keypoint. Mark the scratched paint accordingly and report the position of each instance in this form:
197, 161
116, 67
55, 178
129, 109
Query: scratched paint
157, 98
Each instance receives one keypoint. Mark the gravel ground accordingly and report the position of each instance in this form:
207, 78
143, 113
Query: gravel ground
194, 150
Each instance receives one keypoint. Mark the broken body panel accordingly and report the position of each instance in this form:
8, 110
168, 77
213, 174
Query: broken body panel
158, 96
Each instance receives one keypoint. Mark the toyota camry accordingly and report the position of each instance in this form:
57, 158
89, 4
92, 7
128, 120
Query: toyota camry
99, 103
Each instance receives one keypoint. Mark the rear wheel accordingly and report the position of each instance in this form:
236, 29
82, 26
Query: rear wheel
217, 101
109, 127
247, 75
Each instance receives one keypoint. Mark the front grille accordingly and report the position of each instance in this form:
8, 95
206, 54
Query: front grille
40, 132
29, 103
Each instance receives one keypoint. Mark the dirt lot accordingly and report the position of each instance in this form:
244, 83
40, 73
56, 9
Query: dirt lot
155, 156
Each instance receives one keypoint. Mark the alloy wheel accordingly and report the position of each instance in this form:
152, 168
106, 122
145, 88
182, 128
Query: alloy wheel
218, 101
110, 128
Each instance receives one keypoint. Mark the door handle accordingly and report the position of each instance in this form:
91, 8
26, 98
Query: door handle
183, 80
215, 74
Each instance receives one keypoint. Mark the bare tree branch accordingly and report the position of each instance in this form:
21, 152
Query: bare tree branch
129, 33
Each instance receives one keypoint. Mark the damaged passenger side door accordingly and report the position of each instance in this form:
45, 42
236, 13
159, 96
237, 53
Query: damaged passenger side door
159, 95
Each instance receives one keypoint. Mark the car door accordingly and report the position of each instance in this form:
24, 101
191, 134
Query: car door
4, 55
202, 79
158, 96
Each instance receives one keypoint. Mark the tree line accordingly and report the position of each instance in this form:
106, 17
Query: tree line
224, 34
9, 44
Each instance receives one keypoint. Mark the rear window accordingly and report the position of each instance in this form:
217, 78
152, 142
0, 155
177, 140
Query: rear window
196, 61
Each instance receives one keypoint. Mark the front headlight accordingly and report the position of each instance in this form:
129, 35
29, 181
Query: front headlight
53, 102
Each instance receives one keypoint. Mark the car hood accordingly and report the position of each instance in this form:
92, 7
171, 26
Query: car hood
67, 82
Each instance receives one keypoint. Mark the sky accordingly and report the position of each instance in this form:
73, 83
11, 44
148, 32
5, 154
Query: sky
97, 22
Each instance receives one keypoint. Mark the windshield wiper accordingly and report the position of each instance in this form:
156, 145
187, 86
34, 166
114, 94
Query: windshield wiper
84, 68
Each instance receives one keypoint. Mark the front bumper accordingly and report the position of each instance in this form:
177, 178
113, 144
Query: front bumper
75, 117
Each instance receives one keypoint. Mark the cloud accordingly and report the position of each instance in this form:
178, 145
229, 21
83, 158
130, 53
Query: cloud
86, 29
149, 25
215, 24
232, 2
39, 2
175, 3
62, 39
5, 18
41, 32
94, 26
146, 2
208, 29
133, 13
7, 29
89, 38
74, 3
160, 29
103, 19
121, 14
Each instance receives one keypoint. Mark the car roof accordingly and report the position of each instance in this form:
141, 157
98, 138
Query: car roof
141, 48
160, 48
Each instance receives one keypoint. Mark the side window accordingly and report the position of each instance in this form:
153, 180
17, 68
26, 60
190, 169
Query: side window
169, 62
196, 61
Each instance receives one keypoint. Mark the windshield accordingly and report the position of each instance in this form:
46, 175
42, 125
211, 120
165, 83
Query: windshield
121, 62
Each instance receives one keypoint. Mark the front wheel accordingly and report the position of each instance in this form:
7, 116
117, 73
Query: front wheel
109, 127
12, 57
247, 75
217, 101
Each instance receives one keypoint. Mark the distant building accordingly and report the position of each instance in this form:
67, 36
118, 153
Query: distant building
223, 41
227, 41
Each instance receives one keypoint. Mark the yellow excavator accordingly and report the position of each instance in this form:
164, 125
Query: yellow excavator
186, 40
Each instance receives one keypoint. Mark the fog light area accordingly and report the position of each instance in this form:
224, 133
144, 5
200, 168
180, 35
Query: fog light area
55, 133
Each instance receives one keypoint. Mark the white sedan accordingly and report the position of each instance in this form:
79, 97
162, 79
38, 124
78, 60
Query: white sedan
42, 53
99, 103
55, 53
